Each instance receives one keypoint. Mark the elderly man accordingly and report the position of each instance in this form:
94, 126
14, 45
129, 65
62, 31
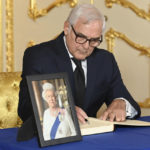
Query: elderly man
93, 73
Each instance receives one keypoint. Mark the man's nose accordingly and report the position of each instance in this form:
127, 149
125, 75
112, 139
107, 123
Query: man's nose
86, 45
53, 99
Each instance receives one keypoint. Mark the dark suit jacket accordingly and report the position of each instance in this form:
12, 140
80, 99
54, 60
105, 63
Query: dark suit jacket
104, 81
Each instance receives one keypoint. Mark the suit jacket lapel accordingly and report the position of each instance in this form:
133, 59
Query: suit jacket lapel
63, 60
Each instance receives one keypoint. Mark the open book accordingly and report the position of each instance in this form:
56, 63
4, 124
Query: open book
95, 126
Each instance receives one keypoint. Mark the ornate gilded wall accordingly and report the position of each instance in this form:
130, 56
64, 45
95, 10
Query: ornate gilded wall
127, 35
1, 58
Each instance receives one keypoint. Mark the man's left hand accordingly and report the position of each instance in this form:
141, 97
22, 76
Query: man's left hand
116, 111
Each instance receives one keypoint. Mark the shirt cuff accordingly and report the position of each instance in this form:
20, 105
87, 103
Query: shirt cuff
130, 110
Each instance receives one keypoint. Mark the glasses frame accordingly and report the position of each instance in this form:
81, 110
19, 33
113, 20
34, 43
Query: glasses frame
86, 39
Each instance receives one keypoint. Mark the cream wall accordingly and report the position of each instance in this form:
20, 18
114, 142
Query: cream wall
135, 69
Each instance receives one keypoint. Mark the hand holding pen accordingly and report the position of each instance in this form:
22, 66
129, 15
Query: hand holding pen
82, 116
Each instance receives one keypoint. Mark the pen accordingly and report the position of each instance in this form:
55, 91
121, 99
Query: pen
87, 121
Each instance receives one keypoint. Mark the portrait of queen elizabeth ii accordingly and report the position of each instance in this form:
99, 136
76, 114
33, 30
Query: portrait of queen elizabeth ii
57, 121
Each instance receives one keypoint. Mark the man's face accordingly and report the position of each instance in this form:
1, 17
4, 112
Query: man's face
92, 30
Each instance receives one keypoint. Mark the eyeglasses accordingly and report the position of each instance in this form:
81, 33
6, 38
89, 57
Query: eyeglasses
81, 39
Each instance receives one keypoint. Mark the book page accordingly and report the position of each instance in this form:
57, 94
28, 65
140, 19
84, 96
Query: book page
132, 123
96, 126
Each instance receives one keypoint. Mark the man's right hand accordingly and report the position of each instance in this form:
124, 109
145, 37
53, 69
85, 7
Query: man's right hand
81, 114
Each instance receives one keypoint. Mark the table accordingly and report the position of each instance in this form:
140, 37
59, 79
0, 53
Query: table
123, 138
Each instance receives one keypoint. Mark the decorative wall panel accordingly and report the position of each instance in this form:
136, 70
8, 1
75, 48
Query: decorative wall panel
1, 41
9, 37
37, 21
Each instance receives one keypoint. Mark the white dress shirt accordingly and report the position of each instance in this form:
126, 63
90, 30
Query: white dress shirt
130, 111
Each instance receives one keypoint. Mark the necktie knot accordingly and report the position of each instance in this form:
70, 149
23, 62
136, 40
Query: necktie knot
77, 62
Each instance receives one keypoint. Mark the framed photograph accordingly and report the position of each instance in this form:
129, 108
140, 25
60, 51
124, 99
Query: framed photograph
53, 108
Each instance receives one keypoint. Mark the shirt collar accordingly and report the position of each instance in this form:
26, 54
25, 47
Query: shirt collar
70, 55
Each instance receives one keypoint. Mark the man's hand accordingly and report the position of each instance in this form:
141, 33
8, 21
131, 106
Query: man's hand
115, 112
81, 114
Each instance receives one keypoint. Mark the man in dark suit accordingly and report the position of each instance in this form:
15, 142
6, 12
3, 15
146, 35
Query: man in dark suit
102, 80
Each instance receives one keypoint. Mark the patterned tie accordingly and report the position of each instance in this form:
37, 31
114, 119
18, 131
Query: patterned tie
79, 83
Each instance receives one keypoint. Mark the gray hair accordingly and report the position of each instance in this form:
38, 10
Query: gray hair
87, 12
47, 86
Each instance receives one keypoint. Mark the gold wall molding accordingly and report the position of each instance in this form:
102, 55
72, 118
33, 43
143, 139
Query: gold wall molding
145, 104
34, 13
9, 37
1, 41
92, 1
31, 43
125, 3
111, 35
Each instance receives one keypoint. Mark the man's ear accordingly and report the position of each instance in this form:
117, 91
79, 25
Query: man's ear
66, 27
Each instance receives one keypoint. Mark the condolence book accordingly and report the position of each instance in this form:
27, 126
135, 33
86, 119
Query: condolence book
95, 126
